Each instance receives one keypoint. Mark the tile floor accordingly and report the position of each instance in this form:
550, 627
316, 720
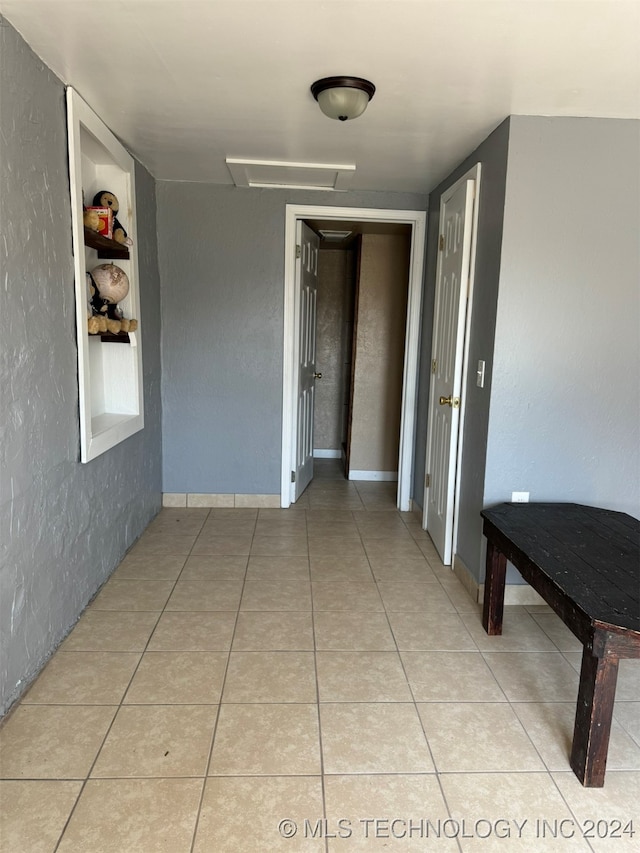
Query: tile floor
249, 674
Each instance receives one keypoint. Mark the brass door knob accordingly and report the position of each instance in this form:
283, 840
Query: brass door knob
317, 376
454, 402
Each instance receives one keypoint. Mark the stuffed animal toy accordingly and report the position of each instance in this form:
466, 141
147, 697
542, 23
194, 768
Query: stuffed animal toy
108, 285
91, 219
104, 198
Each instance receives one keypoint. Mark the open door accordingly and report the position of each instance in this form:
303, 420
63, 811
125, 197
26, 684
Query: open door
307, 245
452, 288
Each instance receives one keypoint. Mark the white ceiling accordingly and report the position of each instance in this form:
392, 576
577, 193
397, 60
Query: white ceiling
187, 83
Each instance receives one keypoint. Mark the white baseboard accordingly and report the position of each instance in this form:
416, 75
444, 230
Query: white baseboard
387, 476
327, 454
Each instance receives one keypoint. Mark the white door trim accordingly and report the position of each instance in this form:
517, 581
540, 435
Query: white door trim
417, 220
472, 175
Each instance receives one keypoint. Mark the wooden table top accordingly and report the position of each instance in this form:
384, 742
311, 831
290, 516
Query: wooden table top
592, 555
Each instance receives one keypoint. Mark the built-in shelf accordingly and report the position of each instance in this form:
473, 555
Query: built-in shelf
105, 247
109, 376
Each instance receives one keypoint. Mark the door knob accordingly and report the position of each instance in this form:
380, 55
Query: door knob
454, 402
317, 376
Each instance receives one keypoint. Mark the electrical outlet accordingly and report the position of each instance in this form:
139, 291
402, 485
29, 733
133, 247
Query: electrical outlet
520, 497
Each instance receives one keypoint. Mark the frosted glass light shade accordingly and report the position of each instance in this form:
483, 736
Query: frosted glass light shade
343, 98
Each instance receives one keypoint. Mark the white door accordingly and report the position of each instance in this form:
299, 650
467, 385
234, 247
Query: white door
306, 294
452, 282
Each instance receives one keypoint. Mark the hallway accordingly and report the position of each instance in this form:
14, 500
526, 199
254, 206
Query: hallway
247, 675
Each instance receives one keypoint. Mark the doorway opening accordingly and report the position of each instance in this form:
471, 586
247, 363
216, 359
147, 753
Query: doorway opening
361, 222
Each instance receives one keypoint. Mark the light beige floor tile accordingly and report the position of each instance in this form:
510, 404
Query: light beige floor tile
534, 676
52, 741
119, 594
178, 678
276, 595
520, 632
628, 687
149, 568
214, 569
157, 740
180, 519
550, 727
414, 597
393, 548
346, 595
111, 631
341, 568
163, 544
460, 597
134, 815
385, 812
494, 804
278, 568
83, 678
266, 740
450, 677
557, 632
266, 631
270, 677
316, 528
224, 828
361, 677
330, 546
34, 814
238, 527
202, 632
279, 546
614, 809
430, 631
349, 631
373, 738
295, 525
224, 546
205, 595
474, 736
229, 524
329, 516
234, 513
628, 715
392, 570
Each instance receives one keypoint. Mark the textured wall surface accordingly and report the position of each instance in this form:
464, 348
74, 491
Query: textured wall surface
63, 526
335, 282
221, 255
381, 310
565, 403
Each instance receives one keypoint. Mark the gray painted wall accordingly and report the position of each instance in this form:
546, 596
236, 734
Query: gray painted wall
221, 253
565, 400
63, 526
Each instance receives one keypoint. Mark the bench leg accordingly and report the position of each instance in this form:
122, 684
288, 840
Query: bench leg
493, 604
596, 693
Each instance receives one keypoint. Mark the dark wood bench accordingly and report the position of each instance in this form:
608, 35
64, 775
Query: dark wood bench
585, 563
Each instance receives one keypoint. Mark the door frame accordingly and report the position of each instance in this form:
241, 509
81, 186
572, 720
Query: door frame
417, 220
474, 174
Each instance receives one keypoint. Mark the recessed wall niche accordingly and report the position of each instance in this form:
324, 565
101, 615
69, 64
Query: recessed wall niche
109, 368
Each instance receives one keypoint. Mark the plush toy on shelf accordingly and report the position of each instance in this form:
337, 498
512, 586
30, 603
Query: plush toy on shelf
105, 198
91, 219
108, 285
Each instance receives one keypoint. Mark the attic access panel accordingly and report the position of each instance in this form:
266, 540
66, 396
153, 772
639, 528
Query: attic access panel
275, 174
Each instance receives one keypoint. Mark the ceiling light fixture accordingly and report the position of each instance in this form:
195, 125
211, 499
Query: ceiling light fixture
343, 98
